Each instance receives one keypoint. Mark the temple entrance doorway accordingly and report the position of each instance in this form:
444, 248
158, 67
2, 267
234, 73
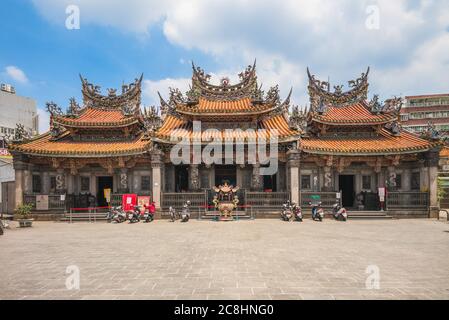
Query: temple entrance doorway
103, 183
225, 173
269, 183
181, 178
346, 185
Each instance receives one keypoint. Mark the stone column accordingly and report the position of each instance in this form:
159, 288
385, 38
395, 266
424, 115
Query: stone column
391, 178
194, 178
27, 183
432, 159
156, 164
123, 181
293, 157
60, 181
45, 182
20, 165
70, 183
328, 179
406, 180
256, 181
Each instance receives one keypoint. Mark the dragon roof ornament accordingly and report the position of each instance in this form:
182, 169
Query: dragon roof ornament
201, 85
321, 95
130, 96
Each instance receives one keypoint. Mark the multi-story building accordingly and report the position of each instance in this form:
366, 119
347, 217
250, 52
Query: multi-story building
14, 110
418, 111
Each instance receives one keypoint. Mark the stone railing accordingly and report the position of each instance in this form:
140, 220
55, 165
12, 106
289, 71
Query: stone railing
177, 200
266, 199
407, 200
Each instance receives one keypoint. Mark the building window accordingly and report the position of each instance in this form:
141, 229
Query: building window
145, 183
415, 181
85, 184
52, 184
366, 182
398, 181
305, 182
37, 183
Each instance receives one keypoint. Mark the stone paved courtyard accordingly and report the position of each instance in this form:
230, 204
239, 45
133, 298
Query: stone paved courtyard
263, 259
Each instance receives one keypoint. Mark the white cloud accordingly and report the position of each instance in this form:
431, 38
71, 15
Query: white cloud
328, 35
44, 120
152, 87
16, 74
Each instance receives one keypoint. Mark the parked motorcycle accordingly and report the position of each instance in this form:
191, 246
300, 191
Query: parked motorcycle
185, 213
286, 214
297, 212
111, 214
172, 213
317, 211
119, 215
1, 228
148, 215
134, 216
339, 213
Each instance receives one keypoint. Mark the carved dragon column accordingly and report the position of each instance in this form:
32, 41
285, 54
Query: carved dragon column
60, 181
293, 157
256, 181
328, 176
20, 166
123, 184
194, 178
432, 159
156, 165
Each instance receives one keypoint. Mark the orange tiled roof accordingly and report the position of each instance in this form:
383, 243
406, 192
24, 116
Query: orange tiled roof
176, 129
65, 146
355, 114
94, 117
385, 143
206, 106
444, 153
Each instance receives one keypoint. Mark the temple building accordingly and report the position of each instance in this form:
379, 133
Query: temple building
343, 148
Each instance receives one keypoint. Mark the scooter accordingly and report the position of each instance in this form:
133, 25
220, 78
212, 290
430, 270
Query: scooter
339, 213
134, 216
1, 228
286, 214
172, 213
185, 214
149, 212
297, 212
317, 212
119, 215
111, 214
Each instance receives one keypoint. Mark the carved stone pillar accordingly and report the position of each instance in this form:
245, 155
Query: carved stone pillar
60, 181
156, 164
20, 165
293, 157
45, 183
194, 178
123, 185
432, 159
328, 179
256, 180
391, 179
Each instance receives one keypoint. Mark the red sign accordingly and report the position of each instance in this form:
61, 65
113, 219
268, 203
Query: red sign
129, 201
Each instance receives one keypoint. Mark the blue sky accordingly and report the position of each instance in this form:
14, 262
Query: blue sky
405, 43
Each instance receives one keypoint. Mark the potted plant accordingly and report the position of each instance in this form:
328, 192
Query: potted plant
24, 211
